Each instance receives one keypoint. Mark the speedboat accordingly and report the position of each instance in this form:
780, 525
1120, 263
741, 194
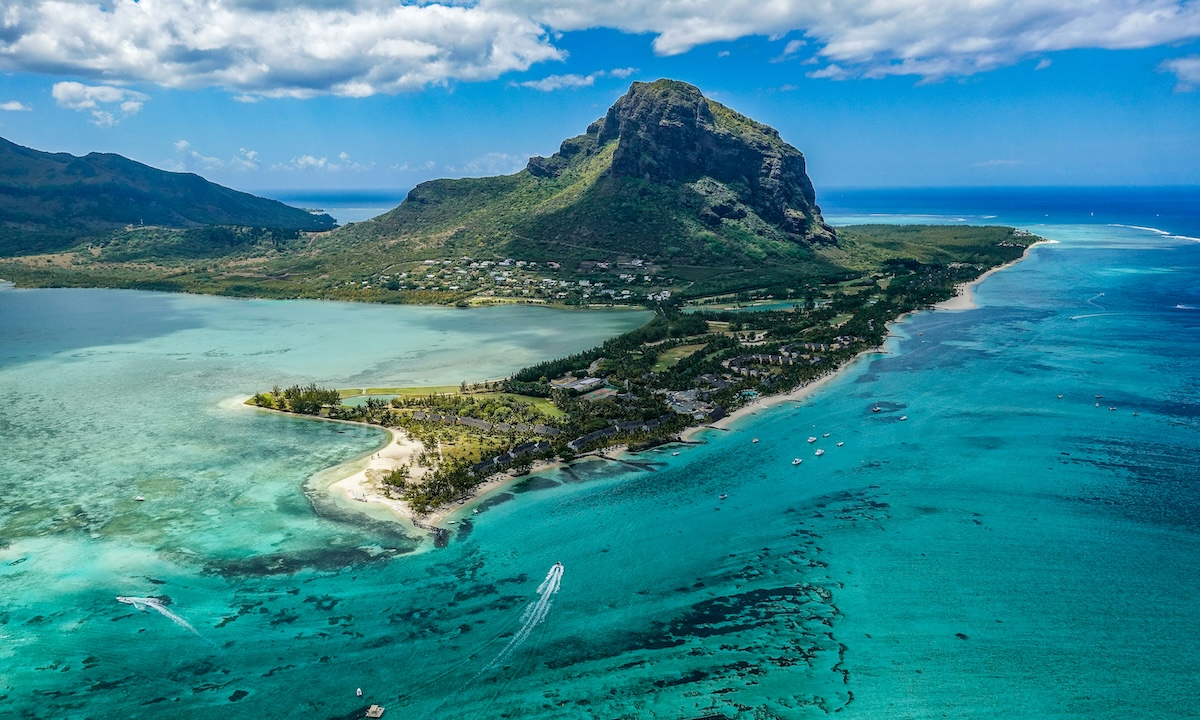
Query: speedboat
812, 439
674, 454
841, 444
558, 565
825, 435
797, 461
139, 498
754, 440
1060, 397
723, 496
903, 417
1112, 408
876, 409
819, 452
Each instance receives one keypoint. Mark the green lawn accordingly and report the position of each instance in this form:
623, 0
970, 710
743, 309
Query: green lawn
670, 357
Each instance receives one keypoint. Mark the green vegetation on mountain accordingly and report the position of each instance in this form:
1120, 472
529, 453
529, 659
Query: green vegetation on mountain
670, 197
53, 201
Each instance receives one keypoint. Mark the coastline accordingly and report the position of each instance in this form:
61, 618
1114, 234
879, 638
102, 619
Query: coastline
357, 490
964, 293
767, 402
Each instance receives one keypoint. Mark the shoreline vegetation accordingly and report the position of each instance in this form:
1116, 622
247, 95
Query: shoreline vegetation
451, 448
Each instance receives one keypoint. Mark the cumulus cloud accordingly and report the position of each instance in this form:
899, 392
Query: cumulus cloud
14, 106
107, 104
876, 38
312, 163
1186, 70
297, 48
560, 82
302, 48
188, 159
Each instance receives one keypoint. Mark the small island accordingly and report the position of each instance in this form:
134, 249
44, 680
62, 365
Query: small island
694, 364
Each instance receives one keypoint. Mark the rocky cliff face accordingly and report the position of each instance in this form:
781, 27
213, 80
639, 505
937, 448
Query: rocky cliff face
667, 132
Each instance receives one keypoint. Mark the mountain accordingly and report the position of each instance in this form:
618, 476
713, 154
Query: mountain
49, 201
667, 174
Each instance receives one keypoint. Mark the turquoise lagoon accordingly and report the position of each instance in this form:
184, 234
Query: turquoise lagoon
1001, 553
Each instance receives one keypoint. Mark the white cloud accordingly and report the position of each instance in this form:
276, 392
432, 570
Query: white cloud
245, 160
312, 163
1186, 70
189, 160
789, 50
560, 82
297, 48
1043, 64
876, 38
493, 163
103, 101
14, 106
302, 48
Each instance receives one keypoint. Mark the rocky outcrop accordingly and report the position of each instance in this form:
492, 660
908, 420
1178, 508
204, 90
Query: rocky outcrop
667, 132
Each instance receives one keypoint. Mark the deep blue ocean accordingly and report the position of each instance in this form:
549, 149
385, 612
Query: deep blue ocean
1026, 544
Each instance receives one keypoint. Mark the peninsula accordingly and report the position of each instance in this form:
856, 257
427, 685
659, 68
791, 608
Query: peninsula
670, 201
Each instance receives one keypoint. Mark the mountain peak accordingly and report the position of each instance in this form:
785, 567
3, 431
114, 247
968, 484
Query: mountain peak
668, 132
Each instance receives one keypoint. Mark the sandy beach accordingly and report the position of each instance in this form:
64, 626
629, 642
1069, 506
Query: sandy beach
964, 296
362, 489
766, 402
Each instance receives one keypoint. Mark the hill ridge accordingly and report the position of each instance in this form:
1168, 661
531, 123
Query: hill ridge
50, 201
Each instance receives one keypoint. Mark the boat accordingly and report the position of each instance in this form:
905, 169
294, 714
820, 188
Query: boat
1097, 404
1099, 397
674, 454
1112, 408
754, 440
723, 496
139, 498
375, 711
819, 452
825, 435
903, 417
359, 692
841, 444
558, 565
1060, 397
812, 439
876, 409
797, 461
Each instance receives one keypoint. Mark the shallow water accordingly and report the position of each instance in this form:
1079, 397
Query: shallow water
1002, 552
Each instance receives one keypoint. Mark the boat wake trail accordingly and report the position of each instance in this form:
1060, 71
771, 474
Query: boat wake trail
535, 612
141, 603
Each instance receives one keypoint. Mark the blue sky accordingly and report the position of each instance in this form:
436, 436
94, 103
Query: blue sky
320, 94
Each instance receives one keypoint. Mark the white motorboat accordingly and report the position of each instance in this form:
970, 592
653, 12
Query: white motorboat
797, 461
812, 439
819, 452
